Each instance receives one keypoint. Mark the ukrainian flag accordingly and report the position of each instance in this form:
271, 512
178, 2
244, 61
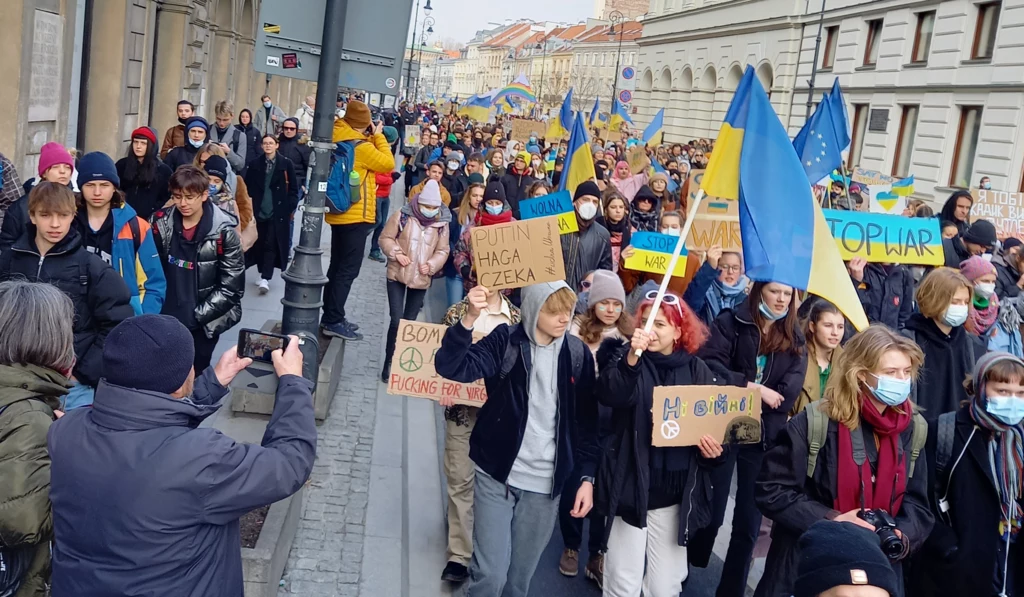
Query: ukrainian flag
594, 111
579, 161
655, 131
477, 108
785, 236
619, 115
560, 124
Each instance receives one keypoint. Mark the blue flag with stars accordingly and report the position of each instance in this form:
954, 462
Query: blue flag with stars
818, 143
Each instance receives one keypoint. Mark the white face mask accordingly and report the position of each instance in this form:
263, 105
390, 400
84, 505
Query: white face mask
587, 211
453, 165
267, 104
985, 290
955, 315
671, 231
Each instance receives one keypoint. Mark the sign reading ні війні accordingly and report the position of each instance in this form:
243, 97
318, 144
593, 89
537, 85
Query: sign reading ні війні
412, 369
683, 414
517, 254
886, 238
1004, 209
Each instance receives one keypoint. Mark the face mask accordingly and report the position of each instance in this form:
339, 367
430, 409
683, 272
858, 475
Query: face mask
196, 144
985, 290
267, 104
671, 231
987, 186
955, 315
494, 210
533, 139
891, 391
536, 163
430, 212
214, 189
769, 314
588, 211
1008, 409
987, 256
453, 165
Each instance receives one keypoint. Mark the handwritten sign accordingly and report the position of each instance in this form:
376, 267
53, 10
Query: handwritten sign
651, 253
886, 238
556, 204
412, 137
682, 414
517, 254
870, 177
717, 221
413, 373
636, 157
522, 129
1004, 209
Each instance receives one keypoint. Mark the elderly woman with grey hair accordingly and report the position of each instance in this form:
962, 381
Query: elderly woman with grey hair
37, 353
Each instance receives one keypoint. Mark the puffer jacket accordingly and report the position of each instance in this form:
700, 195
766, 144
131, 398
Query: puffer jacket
140, 267
28, 397
404, 234
370, 157
220, 268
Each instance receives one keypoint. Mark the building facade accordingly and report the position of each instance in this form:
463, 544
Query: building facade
630, 9
595, 54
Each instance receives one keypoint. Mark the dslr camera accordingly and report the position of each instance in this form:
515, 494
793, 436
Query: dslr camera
885, 528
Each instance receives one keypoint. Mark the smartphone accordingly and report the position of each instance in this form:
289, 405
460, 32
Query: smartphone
258, 345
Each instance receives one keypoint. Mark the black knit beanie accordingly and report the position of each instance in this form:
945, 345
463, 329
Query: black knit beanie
149, 352
834, 554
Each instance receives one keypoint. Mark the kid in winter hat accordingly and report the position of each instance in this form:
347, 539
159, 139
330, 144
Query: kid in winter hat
430, 196
606, 285
51, 154
97, 166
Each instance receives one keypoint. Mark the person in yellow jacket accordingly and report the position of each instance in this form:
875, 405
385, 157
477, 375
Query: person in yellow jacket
350, 229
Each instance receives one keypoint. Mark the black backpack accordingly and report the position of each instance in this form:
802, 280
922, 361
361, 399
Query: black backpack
576, 349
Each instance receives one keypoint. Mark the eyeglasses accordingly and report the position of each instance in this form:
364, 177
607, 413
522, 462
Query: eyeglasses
725, 269
182, 198
289, 128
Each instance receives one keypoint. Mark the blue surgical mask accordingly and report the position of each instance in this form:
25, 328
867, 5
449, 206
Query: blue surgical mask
267, 104
429, 212
769, 314
891, 391
955, 315
214, 189
196, 144
987, 186
494, 210
1008, 409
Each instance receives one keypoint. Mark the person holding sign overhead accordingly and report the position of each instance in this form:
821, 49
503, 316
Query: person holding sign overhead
759, 343
589, 248
886, 291
493, 210
657, 496
853, 457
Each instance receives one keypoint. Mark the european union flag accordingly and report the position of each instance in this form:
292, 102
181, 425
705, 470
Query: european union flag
841, 123
818, 143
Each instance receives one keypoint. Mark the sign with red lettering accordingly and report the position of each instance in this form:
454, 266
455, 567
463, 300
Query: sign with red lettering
412, 369
517, 254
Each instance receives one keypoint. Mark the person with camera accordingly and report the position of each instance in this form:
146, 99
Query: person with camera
145, 502
853, 456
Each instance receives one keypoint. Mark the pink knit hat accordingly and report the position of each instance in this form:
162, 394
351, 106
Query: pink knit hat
51, 154
976, 267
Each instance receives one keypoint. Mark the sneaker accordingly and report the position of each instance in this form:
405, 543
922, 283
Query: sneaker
455, 572
376, 255
595, 569
343, 330
569, 563
264, 286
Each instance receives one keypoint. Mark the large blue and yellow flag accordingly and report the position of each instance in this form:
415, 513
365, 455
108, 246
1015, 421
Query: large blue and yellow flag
618, 115
655, 131
477, 108
785, 236
594, 111
560, 124
579, 161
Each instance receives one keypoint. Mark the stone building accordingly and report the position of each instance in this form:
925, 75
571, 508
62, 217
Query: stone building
86, 73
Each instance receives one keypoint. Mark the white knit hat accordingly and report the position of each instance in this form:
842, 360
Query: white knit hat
430, 196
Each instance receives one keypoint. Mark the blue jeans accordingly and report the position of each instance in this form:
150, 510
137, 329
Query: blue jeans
78, 396
456, 292
383, 206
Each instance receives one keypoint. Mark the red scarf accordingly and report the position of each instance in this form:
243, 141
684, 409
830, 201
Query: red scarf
890, 483
485, 219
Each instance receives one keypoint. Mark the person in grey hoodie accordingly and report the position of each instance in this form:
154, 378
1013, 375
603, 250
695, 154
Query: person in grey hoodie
540, 418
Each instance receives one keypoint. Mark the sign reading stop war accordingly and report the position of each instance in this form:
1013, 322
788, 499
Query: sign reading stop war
1004, 209
886, 238
517, 254
682, 414
412, 370
651, 253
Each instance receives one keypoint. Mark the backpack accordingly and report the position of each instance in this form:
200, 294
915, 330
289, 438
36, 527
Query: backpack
576, 349
343, 163
817, 433
945, 434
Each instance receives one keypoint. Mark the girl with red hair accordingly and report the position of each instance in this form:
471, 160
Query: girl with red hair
655, 498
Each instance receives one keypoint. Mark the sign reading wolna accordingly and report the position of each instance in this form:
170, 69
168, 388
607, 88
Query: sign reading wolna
884, 238
556, 204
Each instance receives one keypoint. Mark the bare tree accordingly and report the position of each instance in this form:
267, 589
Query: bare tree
586, 85
450, 43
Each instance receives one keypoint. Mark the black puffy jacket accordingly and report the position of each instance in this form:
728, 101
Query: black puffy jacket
220, 270
98, 292
887, 294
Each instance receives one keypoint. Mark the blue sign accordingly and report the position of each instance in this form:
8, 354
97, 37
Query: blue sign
548, 205
628, 73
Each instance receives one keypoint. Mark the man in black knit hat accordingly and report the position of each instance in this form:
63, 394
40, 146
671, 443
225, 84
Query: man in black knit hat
839, 559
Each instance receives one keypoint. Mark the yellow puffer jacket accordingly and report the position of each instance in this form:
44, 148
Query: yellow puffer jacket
371, 157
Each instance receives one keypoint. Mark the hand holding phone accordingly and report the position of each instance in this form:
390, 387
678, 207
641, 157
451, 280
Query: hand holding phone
289, 360
259, 346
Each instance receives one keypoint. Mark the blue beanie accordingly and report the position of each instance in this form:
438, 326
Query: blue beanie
196, 122
149, 352
97, 165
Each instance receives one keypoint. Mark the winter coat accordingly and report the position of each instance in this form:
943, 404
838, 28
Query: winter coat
145, 199
139, 265
145, 502
305, 116
370, 157
793, 502
421, 160
811, 390
253, 141
961, 555
236, 142
298, 154
174, 137
15, 221
181, 156
284, 189
446, 197
384, 182
628, 187
624, 477
947, 363
456, 185
732, 351
585, 251
10, 185
404, 234
99, 294
887, 297
1006, 279
696, 294
220, 268
516, 185
268, 126
28, 396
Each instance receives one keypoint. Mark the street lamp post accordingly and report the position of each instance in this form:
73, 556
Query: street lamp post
412, 48
616, 18
814, 65
543, 63
428, 22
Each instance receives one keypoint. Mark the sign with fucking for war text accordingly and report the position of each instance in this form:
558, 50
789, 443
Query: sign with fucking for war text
412, 369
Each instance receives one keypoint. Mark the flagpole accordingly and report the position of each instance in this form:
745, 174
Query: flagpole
672, 264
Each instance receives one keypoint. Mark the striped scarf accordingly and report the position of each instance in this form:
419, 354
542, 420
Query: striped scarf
1006, 456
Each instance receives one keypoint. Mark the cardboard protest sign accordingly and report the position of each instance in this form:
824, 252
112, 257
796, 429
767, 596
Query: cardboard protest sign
886, 238
1004, 209
682, 414
870, 177
556, 204
517, 254
636, 157
412, 371
717, 221
523, 128
651, 253
412, 137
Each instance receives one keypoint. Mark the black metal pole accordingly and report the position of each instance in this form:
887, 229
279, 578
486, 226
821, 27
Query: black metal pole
814, 65
305, 279
412, 48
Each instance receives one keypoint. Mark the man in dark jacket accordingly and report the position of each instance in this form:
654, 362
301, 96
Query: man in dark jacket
197, 133
203, 262
517, 180
273, 185
289, 147
1007, 262
453, 179
230, 139
591, 247
886, 291
144, 501
539, 419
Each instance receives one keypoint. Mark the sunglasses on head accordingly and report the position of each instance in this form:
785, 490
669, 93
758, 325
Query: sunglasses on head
668, 299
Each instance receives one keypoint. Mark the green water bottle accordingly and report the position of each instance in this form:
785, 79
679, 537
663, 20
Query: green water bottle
353, 179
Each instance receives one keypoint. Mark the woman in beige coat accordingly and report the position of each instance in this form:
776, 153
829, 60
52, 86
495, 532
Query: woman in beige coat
415, 242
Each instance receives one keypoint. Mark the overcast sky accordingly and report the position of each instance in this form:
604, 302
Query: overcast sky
460, 19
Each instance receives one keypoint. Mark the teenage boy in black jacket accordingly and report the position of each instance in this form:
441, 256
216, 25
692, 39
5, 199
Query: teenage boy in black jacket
540, 416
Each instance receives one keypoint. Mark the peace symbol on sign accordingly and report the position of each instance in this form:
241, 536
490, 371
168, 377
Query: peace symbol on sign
410, 360
669, 429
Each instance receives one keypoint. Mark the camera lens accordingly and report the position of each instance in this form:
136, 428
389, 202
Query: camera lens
892, 546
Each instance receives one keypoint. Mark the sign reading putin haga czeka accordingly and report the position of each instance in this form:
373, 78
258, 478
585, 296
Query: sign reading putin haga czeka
517, 254
683, 414
884, 238
717, 221
412, 370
